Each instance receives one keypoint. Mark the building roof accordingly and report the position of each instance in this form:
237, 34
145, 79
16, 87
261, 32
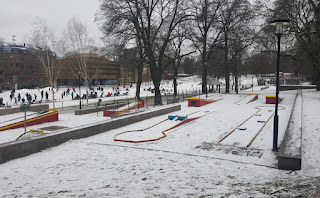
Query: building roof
212, 81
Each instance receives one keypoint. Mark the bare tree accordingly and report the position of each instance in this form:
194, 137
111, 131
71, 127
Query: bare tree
240, 40
235, 13
177, 47
152, 22
47, 47
81, 52
133, 60
304, 18
206, 32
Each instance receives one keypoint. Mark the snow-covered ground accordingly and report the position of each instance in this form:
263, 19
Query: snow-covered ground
189, 162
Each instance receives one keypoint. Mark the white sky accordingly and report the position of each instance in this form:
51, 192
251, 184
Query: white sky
17, 16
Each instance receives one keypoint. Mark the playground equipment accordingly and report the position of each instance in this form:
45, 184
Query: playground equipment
198, 102
49, 115
163, 132
30, 133
124, 110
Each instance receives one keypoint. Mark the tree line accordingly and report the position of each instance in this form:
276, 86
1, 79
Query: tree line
220, 38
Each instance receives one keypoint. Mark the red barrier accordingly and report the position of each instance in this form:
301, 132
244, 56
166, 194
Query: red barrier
49, 117
272, 100
108, 113
197, 102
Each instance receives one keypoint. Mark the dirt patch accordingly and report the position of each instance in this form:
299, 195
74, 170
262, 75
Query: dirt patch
231, 149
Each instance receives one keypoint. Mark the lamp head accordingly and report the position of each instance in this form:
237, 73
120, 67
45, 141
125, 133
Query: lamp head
280, 24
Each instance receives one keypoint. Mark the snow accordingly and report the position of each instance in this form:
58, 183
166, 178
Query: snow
189, 162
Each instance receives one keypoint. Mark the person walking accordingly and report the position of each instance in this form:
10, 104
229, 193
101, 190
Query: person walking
41, 94
19, 97
72, 95
47, 96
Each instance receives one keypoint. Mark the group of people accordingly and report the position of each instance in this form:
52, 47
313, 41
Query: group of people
18, 98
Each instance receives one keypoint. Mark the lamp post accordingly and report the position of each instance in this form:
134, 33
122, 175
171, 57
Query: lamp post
279, 24
79, 72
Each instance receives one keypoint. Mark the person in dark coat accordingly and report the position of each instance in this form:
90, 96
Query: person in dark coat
41, 94
47, 95
29, 98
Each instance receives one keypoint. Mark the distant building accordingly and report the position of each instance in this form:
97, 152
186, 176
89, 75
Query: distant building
101, 70
19, 67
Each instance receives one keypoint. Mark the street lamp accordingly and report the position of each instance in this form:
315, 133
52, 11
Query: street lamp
79, 72
279, 24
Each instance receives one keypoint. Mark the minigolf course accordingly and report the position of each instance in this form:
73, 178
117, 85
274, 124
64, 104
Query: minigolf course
152, 132
247, 99
247, 131
49, 115
124, 109
198, 102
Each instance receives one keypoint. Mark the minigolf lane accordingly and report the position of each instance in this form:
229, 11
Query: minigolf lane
49, 115
246, 132
247, 99
158, 130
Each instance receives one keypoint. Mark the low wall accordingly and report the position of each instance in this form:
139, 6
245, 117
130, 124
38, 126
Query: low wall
289, 155
22, 148
33, 107
102, 108
296, 87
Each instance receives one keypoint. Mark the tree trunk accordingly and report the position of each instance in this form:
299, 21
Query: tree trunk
87, 93
139, 81
157, 98
236, 85
204, 77
52, 89
175, 84
236, 76
318, 79
226, 67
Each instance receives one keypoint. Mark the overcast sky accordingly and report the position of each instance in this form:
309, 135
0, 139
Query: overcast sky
17, 16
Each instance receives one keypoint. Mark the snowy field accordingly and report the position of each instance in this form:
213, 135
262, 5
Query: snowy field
189, 162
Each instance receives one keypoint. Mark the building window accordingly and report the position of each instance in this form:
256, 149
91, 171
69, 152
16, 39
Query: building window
6, 49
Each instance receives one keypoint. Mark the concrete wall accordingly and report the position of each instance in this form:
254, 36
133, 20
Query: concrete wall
296, 87
102, 108
33, 107
22, 148
291, 160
